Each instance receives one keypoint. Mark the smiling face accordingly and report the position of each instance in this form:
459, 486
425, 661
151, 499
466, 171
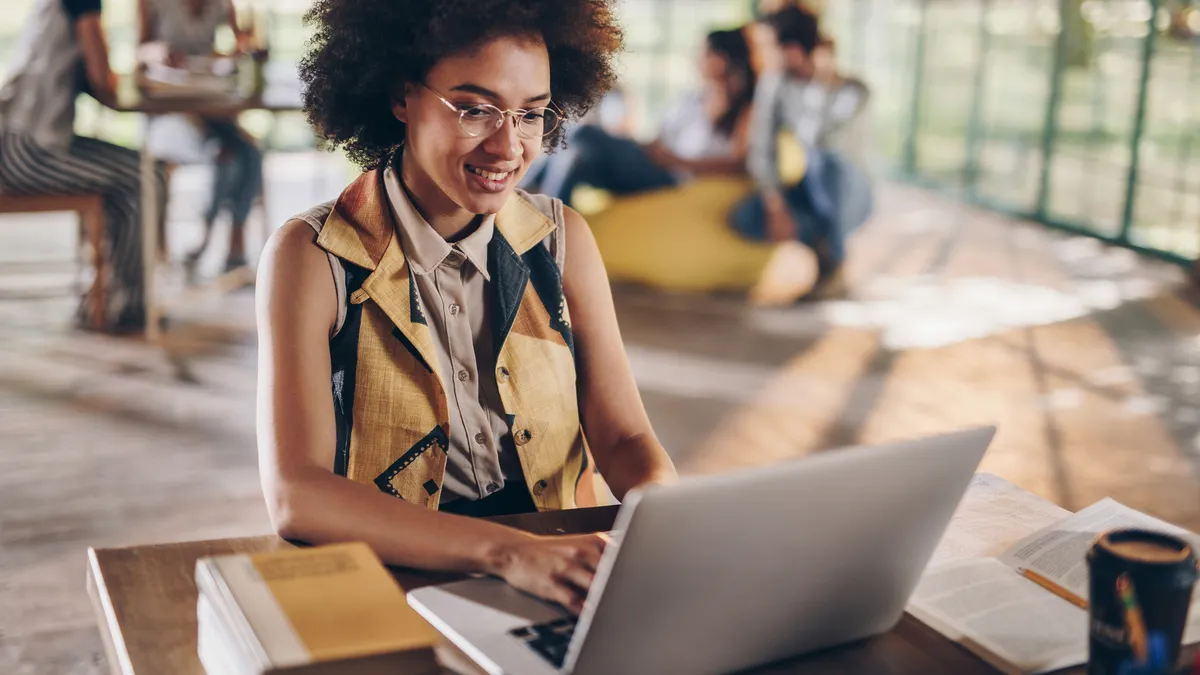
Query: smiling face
451, 173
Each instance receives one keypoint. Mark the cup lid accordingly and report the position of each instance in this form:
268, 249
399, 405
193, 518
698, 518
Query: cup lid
1145, 547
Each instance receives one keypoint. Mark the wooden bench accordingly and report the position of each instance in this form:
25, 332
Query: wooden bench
90, 209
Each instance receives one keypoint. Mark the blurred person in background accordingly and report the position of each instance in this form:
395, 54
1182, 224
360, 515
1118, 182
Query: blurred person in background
705, 134
178, 33
766, 50
825, 113
463, 358
62, 53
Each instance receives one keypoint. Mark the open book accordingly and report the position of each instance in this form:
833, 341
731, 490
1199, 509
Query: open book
1024, 610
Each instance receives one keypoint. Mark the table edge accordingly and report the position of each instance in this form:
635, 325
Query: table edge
110, 629
97, 551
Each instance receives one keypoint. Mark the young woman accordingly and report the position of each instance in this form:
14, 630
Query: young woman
187, 28
704, 134
62, 54
436, 343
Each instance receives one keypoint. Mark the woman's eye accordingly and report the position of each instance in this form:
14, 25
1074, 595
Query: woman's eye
474, 112
533, 116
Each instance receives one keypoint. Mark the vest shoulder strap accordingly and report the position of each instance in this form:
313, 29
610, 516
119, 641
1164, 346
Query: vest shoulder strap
556, 243
315, 217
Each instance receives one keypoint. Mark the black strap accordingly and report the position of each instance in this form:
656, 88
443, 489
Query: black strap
78, 8
512, 499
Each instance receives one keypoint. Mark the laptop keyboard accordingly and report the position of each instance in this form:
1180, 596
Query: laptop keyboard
549, 639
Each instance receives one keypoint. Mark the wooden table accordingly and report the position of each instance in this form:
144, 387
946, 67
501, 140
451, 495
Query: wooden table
275, 97
145, 602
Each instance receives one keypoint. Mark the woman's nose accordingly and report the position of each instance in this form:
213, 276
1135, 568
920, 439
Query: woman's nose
505, 142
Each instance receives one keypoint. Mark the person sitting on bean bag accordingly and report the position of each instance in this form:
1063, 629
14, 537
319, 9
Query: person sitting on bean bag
826, 115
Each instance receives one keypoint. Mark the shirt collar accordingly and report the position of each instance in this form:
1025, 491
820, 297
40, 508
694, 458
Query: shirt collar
424, 248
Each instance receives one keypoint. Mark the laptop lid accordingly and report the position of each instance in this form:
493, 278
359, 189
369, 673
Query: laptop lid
725, 572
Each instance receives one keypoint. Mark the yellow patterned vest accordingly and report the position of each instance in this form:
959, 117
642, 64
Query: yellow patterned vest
390, 404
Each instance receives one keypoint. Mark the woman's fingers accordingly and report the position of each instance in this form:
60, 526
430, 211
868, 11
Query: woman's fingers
567, 595
578, 576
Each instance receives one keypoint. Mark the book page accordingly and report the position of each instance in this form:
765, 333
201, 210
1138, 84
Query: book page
993, 514
1003, 617
1059, 552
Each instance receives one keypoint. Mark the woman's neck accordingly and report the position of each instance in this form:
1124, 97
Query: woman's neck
447, 218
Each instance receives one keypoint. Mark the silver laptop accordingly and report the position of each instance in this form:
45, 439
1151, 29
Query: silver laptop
721, 573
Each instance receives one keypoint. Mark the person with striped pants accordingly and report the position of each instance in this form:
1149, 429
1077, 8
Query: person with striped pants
61, 54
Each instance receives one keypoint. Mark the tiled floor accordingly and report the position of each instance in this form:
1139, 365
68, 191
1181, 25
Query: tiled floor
1085, 356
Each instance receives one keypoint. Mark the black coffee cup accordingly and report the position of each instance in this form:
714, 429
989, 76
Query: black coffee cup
1140, 591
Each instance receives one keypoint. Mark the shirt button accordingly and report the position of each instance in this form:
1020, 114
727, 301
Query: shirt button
480, 438
492, 488
463, 376
454, 309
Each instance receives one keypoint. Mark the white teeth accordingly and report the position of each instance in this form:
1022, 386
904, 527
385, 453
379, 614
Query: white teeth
490, 175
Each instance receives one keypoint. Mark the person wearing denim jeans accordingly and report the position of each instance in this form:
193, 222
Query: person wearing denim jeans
237, 181
825, 114
829, 203
174, 33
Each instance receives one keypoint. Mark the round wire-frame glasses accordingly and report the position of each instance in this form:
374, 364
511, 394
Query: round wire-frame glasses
482, 119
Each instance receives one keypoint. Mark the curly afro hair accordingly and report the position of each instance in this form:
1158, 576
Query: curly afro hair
362, 50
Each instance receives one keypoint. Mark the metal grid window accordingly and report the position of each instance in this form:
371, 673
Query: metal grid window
1079, 113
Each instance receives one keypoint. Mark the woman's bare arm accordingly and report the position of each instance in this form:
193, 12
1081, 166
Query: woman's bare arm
89, 31
626, 450
306, 500
715, 166
145, 22
241, 35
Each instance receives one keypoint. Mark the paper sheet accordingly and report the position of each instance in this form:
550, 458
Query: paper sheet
1059, 552
993, 514
1007, 619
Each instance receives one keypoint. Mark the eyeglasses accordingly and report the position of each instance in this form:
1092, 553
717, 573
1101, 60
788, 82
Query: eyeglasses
482, 119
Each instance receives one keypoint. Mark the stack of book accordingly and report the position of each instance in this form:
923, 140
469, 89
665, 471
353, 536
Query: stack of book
322, 611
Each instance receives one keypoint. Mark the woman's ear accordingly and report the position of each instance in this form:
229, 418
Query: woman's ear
400, 103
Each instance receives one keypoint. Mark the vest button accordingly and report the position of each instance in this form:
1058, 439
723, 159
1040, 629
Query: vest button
539, 487
492, 488
463, 376
480, 438
502, 374
454, 308
522, 436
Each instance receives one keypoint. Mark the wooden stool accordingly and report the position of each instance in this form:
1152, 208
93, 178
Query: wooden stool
90, 209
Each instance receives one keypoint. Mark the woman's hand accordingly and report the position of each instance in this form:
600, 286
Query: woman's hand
660, 155
781, 226
558, 569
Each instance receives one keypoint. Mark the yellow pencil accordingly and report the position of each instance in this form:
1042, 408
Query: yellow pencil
1055, 588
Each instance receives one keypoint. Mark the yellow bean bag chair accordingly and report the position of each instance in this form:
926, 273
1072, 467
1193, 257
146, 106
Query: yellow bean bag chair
679, 239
